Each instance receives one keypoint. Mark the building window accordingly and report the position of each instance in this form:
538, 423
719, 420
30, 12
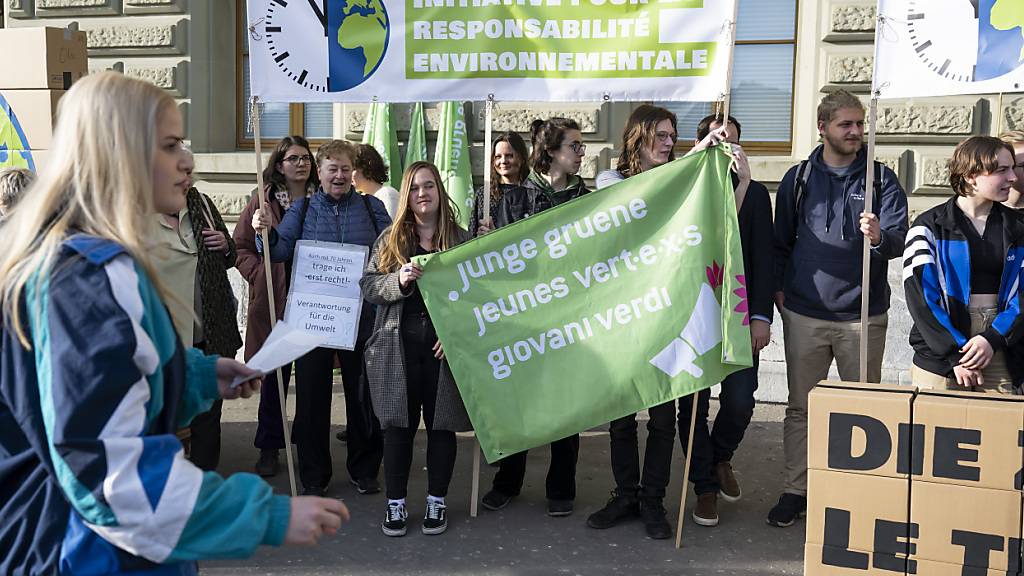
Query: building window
762, 80
314, 121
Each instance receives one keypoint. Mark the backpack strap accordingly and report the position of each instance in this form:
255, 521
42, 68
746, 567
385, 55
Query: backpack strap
878, 185
803, 172
369, 210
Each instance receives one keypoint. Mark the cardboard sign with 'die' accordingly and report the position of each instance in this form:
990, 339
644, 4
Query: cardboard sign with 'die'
324, 297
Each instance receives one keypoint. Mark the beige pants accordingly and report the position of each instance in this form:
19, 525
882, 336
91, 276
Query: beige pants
996, 376
811, 345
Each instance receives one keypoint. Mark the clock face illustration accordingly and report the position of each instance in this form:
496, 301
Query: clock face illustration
966, 40
302, 57
327, 45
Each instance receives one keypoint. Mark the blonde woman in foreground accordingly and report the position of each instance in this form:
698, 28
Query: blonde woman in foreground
93, 379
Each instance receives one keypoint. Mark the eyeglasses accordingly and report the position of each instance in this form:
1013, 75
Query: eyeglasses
296, 160
578, 147
662, 136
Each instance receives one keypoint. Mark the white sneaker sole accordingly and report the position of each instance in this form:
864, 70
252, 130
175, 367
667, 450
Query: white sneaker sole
730, 499
709, 522
435, 531
392, 532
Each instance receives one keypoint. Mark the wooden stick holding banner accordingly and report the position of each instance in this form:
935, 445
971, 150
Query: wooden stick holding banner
869, 196
696, 395
484, 213
255, 117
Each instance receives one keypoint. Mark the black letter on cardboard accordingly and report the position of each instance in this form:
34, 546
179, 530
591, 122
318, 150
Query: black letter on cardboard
949, 454
837, 540
840, 442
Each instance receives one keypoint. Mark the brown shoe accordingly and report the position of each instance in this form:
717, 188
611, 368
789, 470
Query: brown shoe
706, 512
729, 488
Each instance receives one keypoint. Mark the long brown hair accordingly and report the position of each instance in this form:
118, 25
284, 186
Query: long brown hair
639, 134
548, 135
399, 243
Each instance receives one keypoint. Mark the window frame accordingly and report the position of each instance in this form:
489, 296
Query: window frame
296, 111
765, 148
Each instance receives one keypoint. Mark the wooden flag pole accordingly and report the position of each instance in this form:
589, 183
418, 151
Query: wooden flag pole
694, 397
474, 496
686, 469
869, 196
265, 234
489, 162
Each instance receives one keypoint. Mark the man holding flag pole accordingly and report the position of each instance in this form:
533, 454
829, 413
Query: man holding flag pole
820, 225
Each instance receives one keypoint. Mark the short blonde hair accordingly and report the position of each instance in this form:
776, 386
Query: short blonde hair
835, 101
334, 149
13, 182
1012, 137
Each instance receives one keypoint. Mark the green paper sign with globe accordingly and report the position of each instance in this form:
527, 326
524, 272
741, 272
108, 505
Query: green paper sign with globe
358, 33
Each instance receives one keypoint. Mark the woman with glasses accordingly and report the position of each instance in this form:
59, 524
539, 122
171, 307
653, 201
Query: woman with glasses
192, 254
510, 167
290, 174
557, 154
369, 173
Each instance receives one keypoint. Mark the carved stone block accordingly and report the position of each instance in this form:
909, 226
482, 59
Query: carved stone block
853, 18
518, 119
19, 8
935, 172
154, 6
925, 119
171, 78
135, 39
401, 114
850, 69
77, 7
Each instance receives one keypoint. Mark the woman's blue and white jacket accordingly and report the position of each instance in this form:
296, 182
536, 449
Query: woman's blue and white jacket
92, 477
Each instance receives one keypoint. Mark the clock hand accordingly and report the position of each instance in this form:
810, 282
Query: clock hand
321, 12
975, 4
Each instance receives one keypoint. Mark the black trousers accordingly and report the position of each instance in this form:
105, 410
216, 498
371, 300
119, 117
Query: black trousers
421, 373
561, 479
625, 452
269, 428
205, 427
311, 432
736, 406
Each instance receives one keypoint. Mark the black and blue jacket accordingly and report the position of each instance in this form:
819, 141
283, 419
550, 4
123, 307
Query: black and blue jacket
937, 281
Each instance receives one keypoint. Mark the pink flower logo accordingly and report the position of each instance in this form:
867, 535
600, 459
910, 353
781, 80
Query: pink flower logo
716, 275
742, 307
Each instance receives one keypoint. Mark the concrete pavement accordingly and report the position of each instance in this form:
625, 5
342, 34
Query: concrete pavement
522, 540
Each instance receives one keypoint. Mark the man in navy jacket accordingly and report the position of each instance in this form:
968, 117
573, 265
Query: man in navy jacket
711, 463
820, 225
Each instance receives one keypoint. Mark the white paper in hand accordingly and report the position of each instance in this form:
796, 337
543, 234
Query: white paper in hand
284, 345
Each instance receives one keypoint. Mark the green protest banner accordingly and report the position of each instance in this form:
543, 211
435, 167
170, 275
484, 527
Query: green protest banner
416, 147
381, 133
452, 159
606, 305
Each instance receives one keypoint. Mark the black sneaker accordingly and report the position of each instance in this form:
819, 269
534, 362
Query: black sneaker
320, 491
435, 521
495, 500
786, 512
654, 518
342, 435
268, 465
557, 508
618, 508
366, 485
395, 520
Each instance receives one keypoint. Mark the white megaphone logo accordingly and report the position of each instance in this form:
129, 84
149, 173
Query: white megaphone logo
703, 332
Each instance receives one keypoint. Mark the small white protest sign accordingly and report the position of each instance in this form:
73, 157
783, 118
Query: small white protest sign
324, 297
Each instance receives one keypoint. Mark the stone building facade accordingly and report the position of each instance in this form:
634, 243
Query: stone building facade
195, 50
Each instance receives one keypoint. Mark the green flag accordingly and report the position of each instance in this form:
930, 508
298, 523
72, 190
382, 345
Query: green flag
606, 305
416, 147
381, 133
452, 159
